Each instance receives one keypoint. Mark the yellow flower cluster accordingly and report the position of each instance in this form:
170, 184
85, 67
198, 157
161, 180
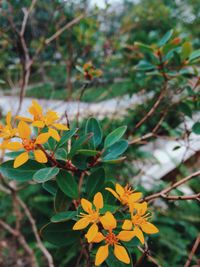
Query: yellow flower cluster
24, 140
104, 227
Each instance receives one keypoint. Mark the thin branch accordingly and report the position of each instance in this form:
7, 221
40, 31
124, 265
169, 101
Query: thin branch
22, 241
35, 232
192, 252
164, 192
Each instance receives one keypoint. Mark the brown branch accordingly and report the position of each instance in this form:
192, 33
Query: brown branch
146, 253
22, 241
35, 232
164, 192
192, 252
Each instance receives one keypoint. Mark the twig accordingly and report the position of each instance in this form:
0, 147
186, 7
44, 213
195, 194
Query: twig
22, 242
192, 252
35, 232
146, 253
164, 192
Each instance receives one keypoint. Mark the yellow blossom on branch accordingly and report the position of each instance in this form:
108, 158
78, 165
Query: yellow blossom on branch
139, 222
28, 144
92, 216
41, 120
7, 131
125, 194
111, 239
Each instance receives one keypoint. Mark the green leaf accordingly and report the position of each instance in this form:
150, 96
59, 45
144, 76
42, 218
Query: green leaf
195, 54
114, 136
80, 69
114, 151
67, 136
63, 216
87, 152
78, 144
60, 234
51, 187
61, 154
114, 161
145, 65
185, 108
186, 50
165, 38
196, 128
67, 184
22, 173
45, 174
61, 201
144, 47
93, 126
95, 182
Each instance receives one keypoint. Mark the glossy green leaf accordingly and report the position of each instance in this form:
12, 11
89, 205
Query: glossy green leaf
114, 136
61, 201
114, 151
186, 50
165, 38
77, 144
195, 55
61, 154
67, 184
63, 216
93, 126
66, 136
196, 128
51, 187
60, 234
95, 182
114, 161
45, 174
145, 65
22, 173
87, 152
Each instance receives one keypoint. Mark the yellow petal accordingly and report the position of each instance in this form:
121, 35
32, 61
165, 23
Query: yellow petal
121, 254
126, 235
102, 255
60, 126
23, 119
149, 228
35, 109
138, 233
40, 156
119, 189
81, 224
54, 134
42, 138
24, 130
98, 238
92, 232
142, 208
39, 124
112, 192
127, 225
8, 118
86, 205
21, 159
108, 221
135, 197
14, 146
98, 201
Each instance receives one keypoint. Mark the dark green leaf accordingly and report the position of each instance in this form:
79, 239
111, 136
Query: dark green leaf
114, 136
87, 152
114, 151
67, 136
195, 54
165, 38
60, 234
61, 201
95, 182
67, 184
51, 187
145, 65
63, 216
45, 174
22, 173
61, 154
185, 108
93, 126
196, 128
78, 144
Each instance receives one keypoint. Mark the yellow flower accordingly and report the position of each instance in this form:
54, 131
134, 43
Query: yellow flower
28, 144
111, 239
41, 120
7, 131
139, 223
92, 216
125, 194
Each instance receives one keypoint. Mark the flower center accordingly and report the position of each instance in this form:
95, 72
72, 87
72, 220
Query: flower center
94, 216
28, 144
127, 192
111, 239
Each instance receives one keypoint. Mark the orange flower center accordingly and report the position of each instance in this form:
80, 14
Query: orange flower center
29, 145
139, 220
111, 239
93, 216
127, 192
